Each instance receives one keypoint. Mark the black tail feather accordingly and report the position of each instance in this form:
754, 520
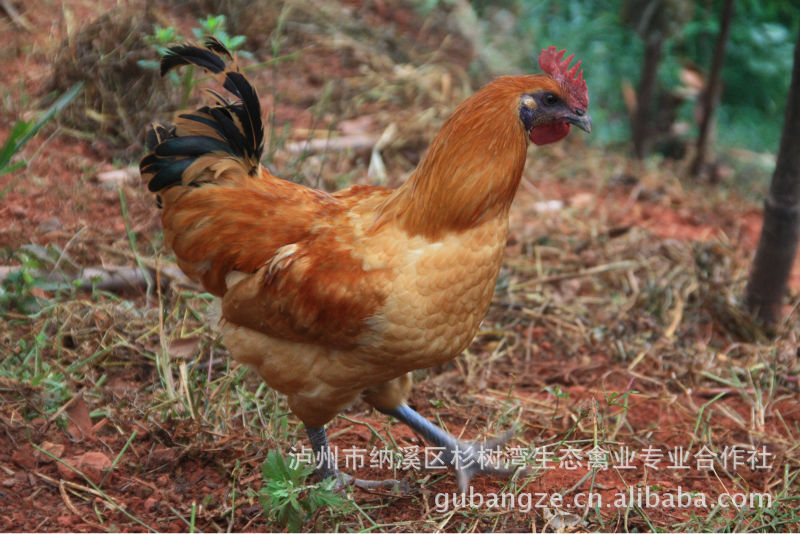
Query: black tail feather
221, 100
192, 145
228, 128
156, 134
253, 129
191, 55
168, 172
215, 45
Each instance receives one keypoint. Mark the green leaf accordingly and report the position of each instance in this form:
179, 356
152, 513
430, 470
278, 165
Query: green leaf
11, 145
236, 41
23, 131
149, 64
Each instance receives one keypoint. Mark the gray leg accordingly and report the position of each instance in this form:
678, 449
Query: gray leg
467, 459
319, 444
326, 468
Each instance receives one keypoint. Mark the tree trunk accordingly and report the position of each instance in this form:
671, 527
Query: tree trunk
645, 94
712, 92
777, 245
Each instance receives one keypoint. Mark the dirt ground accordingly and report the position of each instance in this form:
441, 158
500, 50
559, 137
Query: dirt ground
614, 323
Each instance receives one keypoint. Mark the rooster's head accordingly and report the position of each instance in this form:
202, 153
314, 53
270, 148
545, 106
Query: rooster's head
556, 100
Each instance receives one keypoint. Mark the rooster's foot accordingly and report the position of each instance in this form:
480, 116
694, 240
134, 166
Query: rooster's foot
393, 486
466, 458
319, 443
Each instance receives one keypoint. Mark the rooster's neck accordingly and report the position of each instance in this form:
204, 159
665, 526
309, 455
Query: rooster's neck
469, 175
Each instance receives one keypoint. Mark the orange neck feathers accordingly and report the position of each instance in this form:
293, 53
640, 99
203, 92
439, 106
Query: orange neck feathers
472, 169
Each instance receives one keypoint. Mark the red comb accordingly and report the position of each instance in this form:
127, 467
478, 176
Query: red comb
551, 62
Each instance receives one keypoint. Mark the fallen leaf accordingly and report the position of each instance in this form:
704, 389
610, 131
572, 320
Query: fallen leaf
38, 292
80, 423
56, 449
184, 348
93, 464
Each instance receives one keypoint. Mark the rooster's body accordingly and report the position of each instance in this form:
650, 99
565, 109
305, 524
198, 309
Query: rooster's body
335, 296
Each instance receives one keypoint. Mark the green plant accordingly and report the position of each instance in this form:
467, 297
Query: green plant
28, 363
23, 131
287, 497
215, 26
22, 289
162, 38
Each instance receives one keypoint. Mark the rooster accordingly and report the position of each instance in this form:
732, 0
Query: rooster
331, 297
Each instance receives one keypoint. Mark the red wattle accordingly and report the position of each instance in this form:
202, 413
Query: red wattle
549, 133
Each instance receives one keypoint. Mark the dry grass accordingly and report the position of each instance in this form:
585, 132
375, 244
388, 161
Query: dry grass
599, 333
120, 98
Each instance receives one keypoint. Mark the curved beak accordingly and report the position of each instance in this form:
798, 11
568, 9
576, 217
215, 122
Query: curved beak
582, 121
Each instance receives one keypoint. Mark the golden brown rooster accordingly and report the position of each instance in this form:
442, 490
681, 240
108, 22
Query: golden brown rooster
332, 297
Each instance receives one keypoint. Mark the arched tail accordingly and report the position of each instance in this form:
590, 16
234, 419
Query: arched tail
185, 154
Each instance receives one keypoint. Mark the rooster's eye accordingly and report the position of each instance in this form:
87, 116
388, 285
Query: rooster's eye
550, 99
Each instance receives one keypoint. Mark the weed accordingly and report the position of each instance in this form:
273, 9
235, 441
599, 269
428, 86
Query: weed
214, 25
162, 38
28, 366
23, 289
23, 131
287, 497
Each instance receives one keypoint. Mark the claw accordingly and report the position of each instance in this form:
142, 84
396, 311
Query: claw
466, 458
325, 469
395, 487
474, 461
343, 480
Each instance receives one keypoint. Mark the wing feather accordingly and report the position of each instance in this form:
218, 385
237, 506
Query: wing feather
315, 294
302, 277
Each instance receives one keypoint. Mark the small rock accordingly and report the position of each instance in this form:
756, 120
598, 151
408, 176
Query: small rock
163, 455
24, 457
50, 225
119, 177
66, 520
548, 206
359, 125
18, 211
582, 200
150, 504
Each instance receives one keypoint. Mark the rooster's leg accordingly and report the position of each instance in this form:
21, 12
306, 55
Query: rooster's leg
467, 458
326, 467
